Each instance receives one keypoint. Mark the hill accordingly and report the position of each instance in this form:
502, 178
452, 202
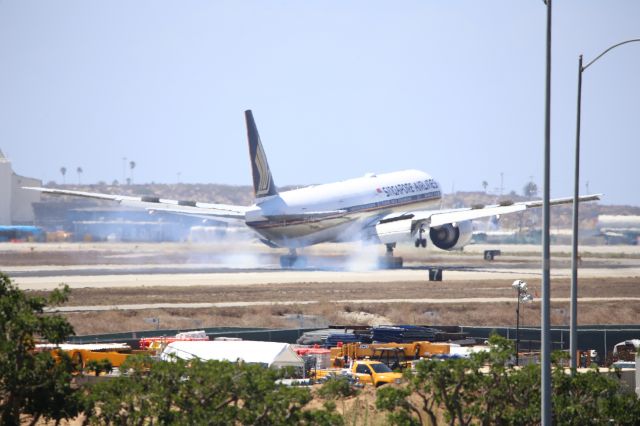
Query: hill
243, 195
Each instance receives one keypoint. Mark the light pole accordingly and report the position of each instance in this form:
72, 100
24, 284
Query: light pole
573, 332
545, 306
523, 296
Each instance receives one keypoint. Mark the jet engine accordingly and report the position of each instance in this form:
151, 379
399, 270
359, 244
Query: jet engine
451, 236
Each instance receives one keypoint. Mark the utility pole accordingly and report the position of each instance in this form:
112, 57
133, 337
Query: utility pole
545, 329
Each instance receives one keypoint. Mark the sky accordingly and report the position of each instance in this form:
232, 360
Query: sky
338, 89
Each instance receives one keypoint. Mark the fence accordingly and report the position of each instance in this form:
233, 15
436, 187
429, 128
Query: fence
602, 338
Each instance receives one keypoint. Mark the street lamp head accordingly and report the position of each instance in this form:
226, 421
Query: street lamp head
519, 285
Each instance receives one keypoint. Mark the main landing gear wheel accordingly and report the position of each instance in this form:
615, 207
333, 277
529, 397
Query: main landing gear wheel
421, 241
292, 260
390, 261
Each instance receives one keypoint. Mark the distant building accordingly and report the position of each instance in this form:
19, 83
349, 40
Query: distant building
118, 223
15, 202
619, 229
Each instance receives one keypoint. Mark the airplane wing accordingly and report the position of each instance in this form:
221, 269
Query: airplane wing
442, 217
154, 204
451, 222
310, 216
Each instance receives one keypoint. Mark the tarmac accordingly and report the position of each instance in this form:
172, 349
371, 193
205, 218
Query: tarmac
144, 265
48, 277
184, 282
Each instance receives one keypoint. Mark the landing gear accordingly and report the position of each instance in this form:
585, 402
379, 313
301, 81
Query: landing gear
421, 241
292, 260
390, 261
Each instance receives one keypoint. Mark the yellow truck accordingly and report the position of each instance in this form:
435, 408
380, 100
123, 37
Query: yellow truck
374, 372
365, 371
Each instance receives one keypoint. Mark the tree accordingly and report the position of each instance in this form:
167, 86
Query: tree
211, 392
336, 388
506, 395
592, 398
402, 410
31, 382
440, 386
79, 171
132, 165
484, 185
63, 172
485, 389
530, 190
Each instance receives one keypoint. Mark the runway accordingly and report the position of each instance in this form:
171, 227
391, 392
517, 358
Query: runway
202, 275
118, 287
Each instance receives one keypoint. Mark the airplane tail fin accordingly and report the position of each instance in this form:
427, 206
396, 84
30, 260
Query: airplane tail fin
263, 185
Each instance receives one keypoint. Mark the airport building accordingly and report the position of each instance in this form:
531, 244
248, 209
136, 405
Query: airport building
15, 202
118, 223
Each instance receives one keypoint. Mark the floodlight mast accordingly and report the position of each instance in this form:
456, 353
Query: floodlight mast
523, 296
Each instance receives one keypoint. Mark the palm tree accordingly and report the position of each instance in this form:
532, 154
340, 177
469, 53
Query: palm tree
79, 171
530, 190
484, 185
63, 171
132, 165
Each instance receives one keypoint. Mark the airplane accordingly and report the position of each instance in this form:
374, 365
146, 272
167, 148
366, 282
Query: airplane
619, 229
386, 208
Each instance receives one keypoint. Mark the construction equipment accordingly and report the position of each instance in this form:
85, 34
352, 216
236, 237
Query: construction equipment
82, 354
399, 352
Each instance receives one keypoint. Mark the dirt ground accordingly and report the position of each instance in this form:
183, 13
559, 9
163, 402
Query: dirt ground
317, 303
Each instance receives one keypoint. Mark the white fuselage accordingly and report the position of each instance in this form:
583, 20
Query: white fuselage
340, 211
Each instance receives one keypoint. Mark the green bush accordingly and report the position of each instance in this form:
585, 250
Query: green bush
485, 389
336, 388
33, 383
199, 392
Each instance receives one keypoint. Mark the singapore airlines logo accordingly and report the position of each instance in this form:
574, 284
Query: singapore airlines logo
263, 171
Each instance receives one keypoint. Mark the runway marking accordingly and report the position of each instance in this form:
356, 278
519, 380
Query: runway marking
470, 300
